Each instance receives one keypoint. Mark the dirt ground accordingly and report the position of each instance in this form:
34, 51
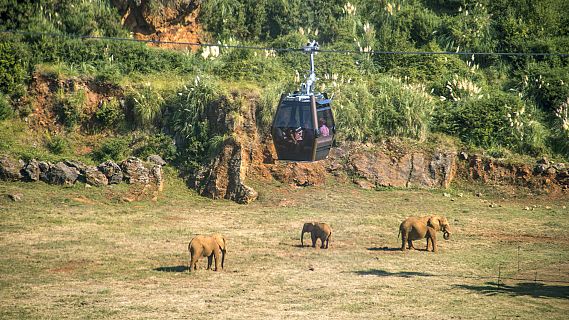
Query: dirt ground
80, 253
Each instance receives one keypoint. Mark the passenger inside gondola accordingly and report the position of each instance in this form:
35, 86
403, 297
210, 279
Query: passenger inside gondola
324, 130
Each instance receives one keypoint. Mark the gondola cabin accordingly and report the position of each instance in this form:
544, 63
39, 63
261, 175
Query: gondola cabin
303, 127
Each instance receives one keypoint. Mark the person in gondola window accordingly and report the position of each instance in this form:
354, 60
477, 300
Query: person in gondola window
297, 135
324, 131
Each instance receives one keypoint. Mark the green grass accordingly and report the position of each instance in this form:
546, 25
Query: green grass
83, 253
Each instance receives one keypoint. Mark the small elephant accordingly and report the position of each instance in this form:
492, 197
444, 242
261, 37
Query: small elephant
415, 228
317, 231
207, 246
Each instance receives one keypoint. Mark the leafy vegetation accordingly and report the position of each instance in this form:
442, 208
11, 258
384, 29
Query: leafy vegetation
489, 101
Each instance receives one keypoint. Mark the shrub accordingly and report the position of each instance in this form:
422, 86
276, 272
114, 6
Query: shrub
6, 110
115, 149
160, 144
495, 120
186, 121
144, 105
68, 107
110, 114
57, 144
391, 108
14, 64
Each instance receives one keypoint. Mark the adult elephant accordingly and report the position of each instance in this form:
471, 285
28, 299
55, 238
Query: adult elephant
210, 247
415, 228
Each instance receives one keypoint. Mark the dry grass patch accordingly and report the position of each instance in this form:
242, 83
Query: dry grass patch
98, 257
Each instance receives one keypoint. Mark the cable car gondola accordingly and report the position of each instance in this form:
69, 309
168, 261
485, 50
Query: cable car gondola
303, 127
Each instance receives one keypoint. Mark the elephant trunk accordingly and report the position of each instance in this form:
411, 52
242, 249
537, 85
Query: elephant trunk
446, 233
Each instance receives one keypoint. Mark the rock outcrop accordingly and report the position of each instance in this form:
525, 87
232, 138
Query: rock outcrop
10, 169
62, 174
544, 176
31, 171
147, 176
112, 171
95, 177
134, 171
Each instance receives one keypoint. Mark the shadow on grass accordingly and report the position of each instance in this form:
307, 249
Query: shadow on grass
172, 269
383, 273
384, 249
536, 290
387, 249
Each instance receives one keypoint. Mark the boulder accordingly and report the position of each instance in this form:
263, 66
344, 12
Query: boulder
156, 159
44, 170
62, 174
245, 194
156, 177
80, 166
31, 171
95, 177
10, 169
134, 171
112, 171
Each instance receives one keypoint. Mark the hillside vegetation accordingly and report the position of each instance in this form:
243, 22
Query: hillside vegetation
507, 105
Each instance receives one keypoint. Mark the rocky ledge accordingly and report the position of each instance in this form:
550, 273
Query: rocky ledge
132, 171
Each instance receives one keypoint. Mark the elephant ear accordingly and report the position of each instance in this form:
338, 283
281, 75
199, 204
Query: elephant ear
434, 222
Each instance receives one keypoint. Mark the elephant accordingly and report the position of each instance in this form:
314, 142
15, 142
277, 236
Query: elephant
207, 246
317, 231
415, 228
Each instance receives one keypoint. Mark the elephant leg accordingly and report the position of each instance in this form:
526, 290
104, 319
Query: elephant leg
434, 243
327, 241
217, 259
403, 241
314, 239
209, 258
410, 243
194, 261
322, 243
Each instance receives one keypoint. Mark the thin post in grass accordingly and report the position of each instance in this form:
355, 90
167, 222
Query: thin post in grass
518, 258
499, 273
535, 278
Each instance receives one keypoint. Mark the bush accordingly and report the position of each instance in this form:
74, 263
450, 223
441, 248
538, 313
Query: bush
115, 149
159, 144
6, 110
391, 108
186, 121
57, 144
14, 64
144, 105
68, 107
493, 120
110, 114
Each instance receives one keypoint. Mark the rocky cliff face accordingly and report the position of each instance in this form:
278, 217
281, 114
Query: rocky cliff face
544, 176
248, 153
162, 20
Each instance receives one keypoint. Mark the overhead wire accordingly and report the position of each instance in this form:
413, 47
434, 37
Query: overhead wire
261, 48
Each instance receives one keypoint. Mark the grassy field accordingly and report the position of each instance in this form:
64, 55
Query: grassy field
82, 253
